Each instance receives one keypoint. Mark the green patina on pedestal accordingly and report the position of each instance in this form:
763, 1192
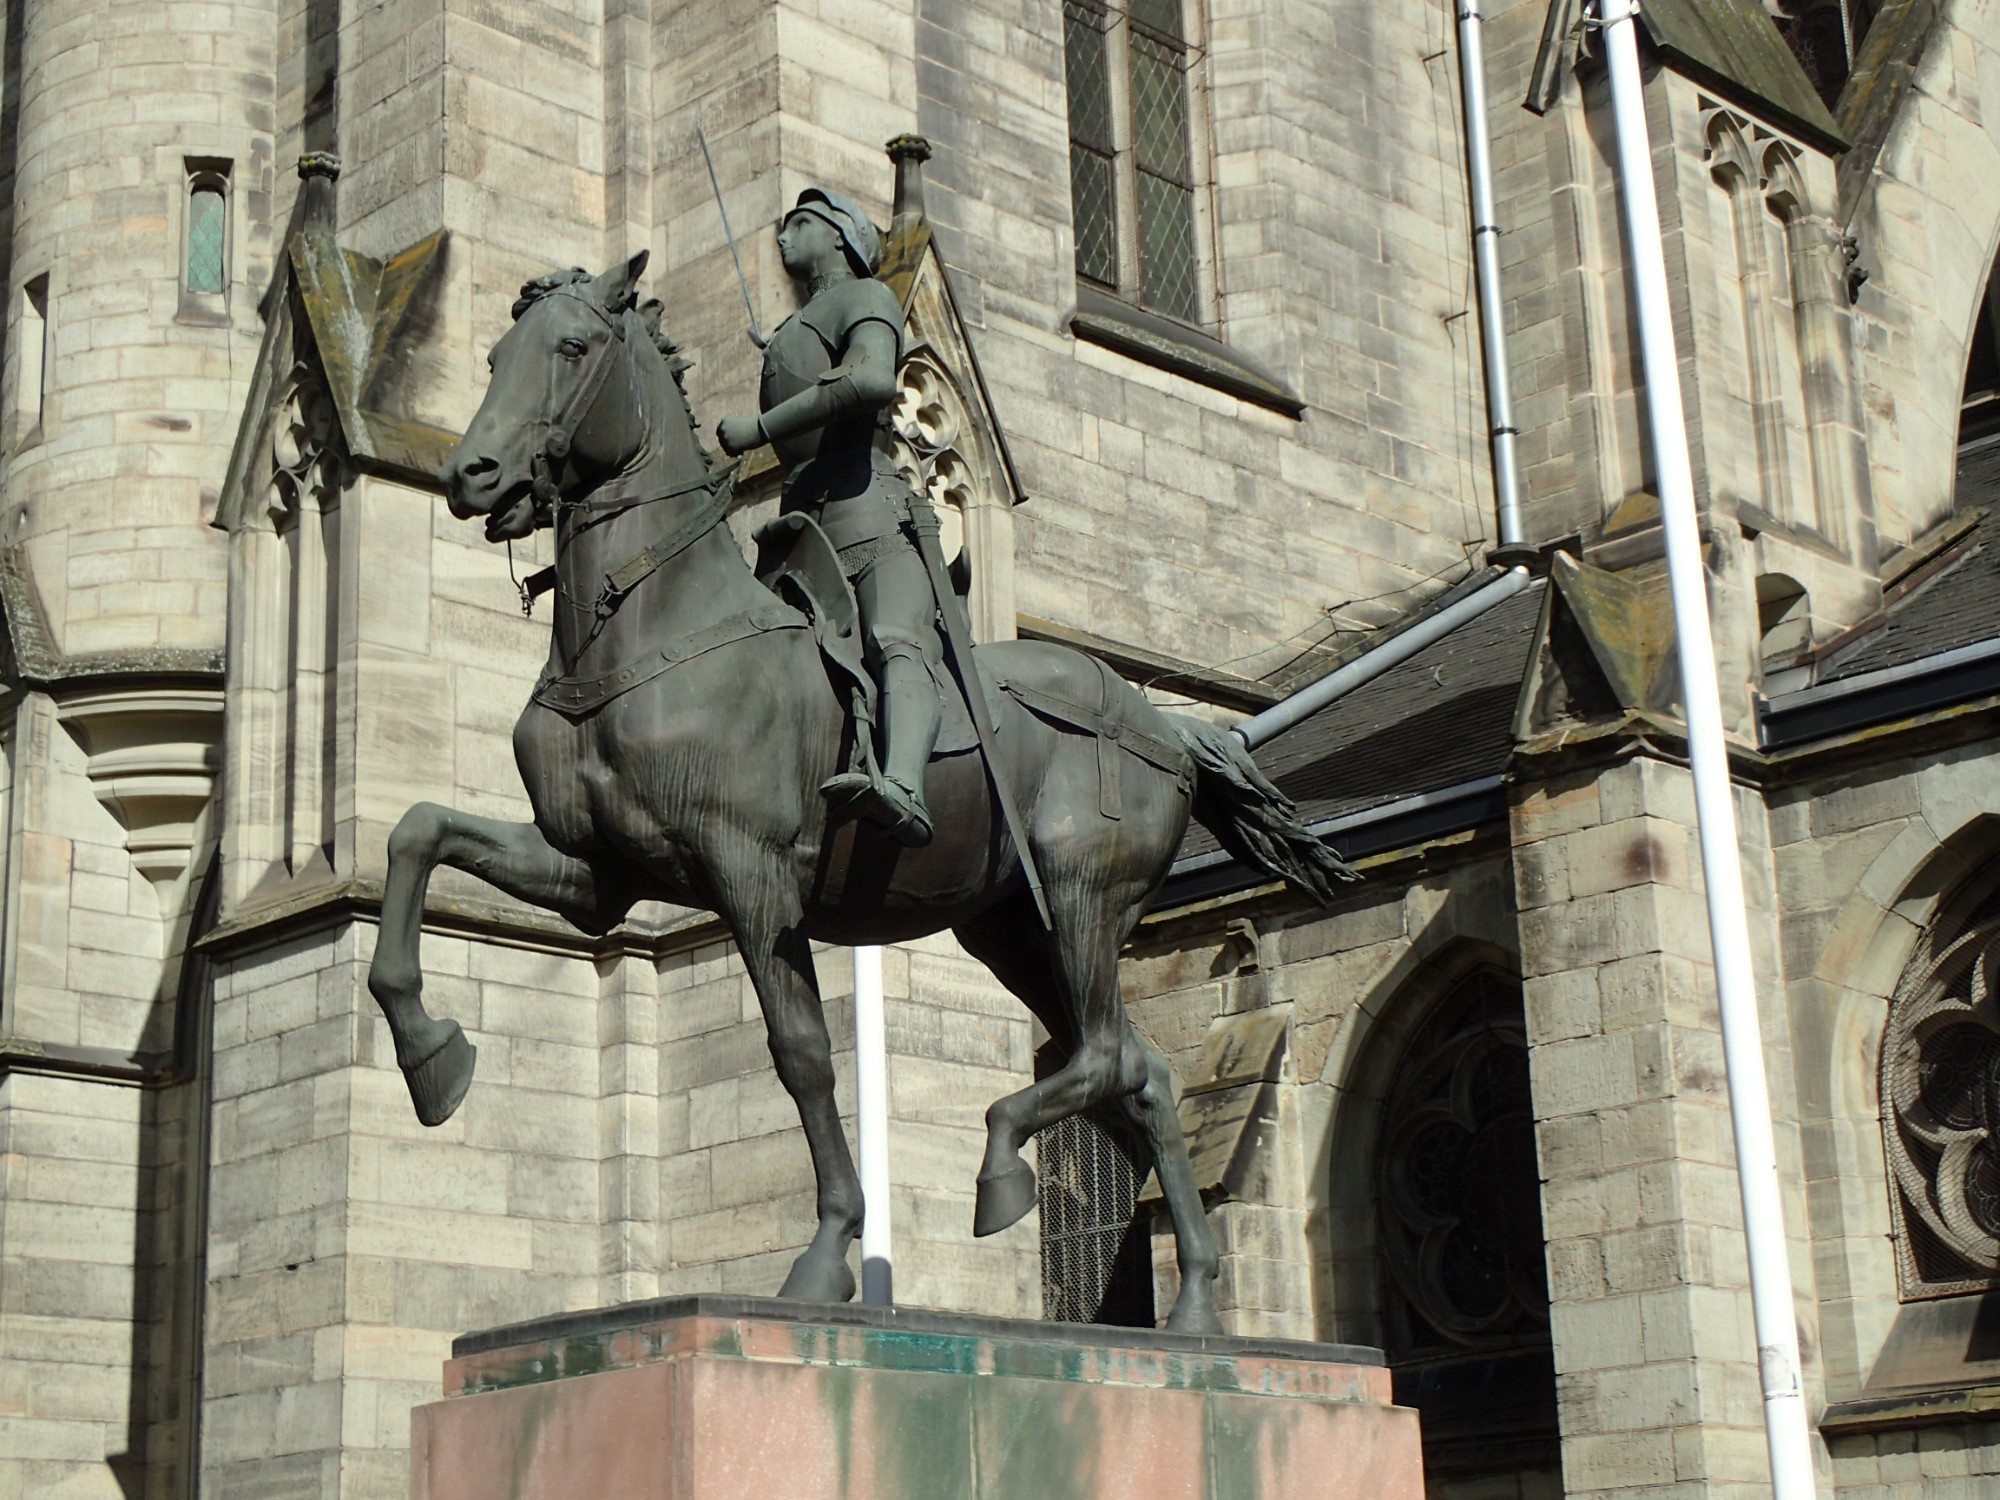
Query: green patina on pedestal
713, 1398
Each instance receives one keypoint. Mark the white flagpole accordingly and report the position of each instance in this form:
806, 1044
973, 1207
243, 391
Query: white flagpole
1785, 1430
871, 1080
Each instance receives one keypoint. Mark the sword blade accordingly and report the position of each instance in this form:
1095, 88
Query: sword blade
742, 281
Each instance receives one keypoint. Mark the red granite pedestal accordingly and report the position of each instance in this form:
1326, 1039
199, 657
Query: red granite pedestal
732, 1398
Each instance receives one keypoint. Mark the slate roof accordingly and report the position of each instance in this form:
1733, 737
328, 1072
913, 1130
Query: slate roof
1443, 718
1957, 606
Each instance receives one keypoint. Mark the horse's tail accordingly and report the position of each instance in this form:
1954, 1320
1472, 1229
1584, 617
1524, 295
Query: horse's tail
1251, 818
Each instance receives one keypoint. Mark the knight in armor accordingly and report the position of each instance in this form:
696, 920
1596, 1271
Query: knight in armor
829, 387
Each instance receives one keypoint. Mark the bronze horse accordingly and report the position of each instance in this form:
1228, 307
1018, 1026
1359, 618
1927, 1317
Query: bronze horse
699, 783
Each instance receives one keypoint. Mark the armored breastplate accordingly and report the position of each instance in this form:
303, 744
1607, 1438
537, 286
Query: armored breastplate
794, 361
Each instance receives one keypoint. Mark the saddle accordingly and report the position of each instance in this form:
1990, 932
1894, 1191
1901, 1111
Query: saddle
796, 562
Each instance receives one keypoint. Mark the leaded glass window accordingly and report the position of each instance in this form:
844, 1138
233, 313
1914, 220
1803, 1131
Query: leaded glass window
208, 218
1133, 189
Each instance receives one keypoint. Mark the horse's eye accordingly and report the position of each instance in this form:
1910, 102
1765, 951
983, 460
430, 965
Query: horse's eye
573, 348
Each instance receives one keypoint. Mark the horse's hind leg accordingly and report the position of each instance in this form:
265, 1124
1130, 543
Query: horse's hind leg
435, 1057
1152, 1110
1069, 980
1073, 988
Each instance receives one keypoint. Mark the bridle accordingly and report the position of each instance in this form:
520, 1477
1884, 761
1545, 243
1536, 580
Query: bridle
559, 424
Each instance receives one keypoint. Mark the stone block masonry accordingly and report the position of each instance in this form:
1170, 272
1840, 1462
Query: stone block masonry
1650, 1307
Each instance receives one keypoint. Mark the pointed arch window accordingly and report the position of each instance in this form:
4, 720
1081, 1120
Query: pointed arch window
1941, 1101
1465, 1295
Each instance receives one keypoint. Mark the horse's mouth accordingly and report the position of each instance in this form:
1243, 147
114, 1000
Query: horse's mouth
509, 523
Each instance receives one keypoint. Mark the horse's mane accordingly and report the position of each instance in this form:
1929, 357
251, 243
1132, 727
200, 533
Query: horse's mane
649, 315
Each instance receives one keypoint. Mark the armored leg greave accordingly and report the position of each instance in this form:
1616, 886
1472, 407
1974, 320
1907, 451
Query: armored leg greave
910, 717
897, 613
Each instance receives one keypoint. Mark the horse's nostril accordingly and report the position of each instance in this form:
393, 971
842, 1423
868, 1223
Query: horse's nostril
480, 468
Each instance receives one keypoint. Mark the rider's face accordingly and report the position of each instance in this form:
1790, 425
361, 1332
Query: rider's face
808, 245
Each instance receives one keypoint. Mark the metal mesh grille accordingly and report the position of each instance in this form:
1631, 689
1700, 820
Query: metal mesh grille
206, 217
1093, 195
1090, 1190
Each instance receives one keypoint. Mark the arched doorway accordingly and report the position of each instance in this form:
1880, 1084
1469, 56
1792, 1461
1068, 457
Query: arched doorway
1463, 1278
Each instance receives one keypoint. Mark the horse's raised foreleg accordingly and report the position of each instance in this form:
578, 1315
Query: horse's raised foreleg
435, 1057
770, 934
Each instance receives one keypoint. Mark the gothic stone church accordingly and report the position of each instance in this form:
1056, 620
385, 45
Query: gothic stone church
1195, 374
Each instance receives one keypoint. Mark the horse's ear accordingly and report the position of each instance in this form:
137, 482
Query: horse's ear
615, 286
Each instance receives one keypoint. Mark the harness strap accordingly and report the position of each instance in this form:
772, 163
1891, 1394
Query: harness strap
649, 560
575, 697
1109, 800
1068, 714
559, 427
562, 425
612, 498
542, 580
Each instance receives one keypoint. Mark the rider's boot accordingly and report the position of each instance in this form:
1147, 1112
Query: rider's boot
909, 712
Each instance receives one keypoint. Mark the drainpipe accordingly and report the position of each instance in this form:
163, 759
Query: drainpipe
871, 1124
1308, 701
1486, 268
1500, 428
1785, 1430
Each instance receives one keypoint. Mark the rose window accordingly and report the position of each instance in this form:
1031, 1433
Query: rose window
1941, 1114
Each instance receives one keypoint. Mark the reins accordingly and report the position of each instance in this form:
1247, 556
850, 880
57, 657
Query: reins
614, 498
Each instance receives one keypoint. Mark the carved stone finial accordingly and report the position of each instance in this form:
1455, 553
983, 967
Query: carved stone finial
319, 171
909, 153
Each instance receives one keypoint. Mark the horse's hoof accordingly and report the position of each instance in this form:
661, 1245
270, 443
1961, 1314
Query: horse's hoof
438, 1084
818, 1278
1003, 1201
1193, 1315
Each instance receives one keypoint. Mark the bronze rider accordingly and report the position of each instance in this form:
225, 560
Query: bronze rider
829, 387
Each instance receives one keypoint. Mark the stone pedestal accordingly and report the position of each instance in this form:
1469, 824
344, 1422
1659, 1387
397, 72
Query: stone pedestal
731, 1398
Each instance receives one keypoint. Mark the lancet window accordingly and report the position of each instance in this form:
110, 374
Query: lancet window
1134, 179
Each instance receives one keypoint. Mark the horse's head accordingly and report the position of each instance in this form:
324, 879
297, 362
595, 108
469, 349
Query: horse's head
566, 407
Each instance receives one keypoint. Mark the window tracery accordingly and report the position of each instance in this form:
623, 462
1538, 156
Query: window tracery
1940, 1080
1462, 1241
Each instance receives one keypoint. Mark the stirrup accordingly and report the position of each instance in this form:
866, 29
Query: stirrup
888, 804
908, 821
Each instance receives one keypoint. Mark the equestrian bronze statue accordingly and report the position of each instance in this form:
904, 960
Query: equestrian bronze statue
689, 737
